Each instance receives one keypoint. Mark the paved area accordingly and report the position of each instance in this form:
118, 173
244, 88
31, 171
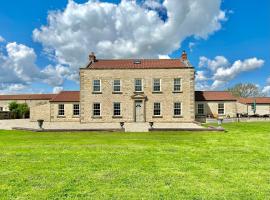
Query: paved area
129, 127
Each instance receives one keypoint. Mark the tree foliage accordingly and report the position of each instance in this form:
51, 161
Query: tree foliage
19, 110
245, 90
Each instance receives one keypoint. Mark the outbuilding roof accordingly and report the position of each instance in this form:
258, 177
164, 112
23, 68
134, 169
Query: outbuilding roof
214, 96
258, 100
67, 96
27, 97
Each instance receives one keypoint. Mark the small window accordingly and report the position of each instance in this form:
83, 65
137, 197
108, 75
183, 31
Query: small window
1, 108
76, 109
138, 85
96, 85
221, 110
177, 85
117, 109
177, 111
61, 109
200, 109
156, 85
157, 110
116, 85
96, 109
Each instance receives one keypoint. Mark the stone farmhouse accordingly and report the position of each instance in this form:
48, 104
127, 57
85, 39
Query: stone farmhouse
140, 90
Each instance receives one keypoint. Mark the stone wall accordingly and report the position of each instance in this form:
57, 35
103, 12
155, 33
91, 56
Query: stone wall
68, 117
211, 108
40, 111
127, 77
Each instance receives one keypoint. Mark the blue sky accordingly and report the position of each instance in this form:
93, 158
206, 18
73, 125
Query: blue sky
244, 34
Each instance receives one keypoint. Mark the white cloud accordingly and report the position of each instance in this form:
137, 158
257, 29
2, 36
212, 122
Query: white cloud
191, 45
2, 39
221, 71
163, 57
56, 90
126, 29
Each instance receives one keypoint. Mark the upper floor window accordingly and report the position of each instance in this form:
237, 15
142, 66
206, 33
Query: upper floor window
117, 109
76, 109
61, 109
116, 85
96, 85
177, 85
221, 109
96, 109
200, 109
157, 109
156, 85
138, 85
177, 109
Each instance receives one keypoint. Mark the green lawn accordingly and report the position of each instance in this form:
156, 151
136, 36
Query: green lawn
171, 165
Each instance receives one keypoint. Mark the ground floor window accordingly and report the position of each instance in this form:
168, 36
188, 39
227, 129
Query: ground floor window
76, 109
157, 109
96, 109
116, 109
61, 109
1, 108
200, 108
221, 110
177, 110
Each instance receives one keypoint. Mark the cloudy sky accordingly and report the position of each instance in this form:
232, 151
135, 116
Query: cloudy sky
44, 43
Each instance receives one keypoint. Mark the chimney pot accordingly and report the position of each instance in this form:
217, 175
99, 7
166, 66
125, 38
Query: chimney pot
92, 57
184, 56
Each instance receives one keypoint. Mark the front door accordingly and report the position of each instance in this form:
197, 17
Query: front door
139, 111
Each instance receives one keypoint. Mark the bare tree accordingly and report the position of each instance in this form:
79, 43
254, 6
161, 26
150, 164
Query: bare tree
245, 90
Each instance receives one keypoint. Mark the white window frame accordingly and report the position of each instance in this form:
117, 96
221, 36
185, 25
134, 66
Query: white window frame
154, 85
76, 109
200, 108
93, 109
120, 111
61, 109
181, 111
136, 85
120, 85
223, 109
159, 109
99, 85
177, 85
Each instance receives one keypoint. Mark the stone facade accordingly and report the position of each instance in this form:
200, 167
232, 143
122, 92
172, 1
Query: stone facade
127, 97
211, 108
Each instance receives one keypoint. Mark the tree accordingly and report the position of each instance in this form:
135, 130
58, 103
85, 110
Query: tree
18, 110
245, 90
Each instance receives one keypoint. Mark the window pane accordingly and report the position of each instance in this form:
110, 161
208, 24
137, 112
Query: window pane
177, 108
221, 108
156, 85
138, 85
201, 109
96, 86
177, 84
76, 109
116, 86
157, 109
96, 109
116, 109
61, 109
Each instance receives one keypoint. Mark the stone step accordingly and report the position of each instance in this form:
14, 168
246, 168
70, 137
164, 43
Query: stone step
136, 127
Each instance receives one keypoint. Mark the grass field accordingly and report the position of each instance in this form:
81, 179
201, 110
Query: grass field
169, 165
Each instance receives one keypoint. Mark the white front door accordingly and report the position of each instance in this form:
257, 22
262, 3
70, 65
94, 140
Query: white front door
139, 111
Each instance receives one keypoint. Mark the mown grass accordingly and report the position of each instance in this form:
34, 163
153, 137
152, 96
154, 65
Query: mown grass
160, 165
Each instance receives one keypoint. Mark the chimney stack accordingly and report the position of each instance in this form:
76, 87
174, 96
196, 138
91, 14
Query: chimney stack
184, 56
92, 57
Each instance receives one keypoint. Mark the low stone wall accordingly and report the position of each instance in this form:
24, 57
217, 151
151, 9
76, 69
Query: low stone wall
229, 120
5, 115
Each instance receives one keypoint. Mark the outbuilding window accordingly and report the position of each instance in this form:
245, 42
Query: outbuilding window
76, 109
200, 109
221, 109
61, 109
